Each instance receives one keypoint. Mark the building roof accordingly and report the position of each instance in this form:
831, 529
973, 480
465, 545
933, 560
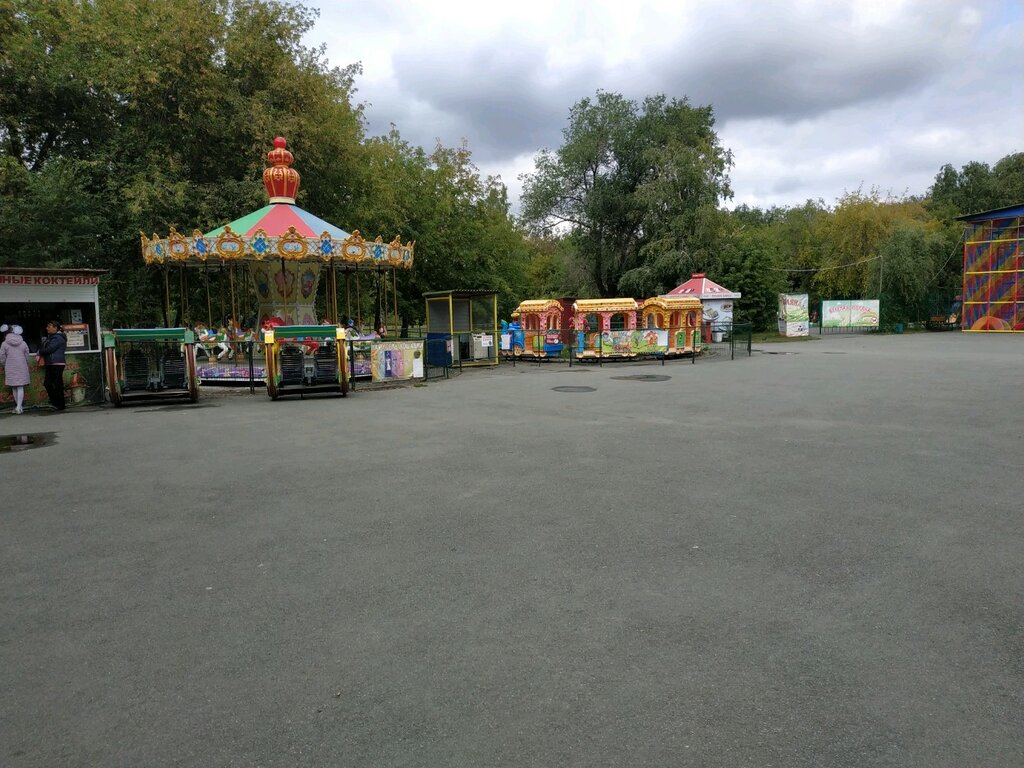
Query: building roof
672, 302
702, 288
51, 271
460, 294
605, 305
1006, 212
539, 305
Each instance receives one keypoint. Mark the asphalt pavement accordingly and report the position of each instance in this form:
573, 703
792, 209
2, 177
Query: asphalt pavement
807, 557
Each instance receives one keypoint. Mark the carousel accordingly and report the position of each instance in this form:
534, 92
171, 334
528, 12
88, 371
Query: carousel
273, 275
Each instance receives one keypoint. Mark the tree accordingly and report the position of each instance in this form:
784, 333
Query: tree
748, 263
637, 185
977, 187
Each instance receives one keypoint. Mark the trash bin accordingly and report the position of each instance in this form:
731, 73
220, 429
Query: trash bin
898, 328
716, 336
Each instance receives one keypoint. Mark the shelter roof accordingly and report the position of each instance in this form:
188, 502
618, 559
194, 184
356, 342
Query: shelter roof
539, 305
672, 302
460, 294
52, 271
605, 305
702, 288
1006, 212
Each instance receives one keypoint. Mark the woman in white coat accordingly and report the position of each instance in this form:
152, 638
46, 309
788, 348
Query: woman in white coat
14, 359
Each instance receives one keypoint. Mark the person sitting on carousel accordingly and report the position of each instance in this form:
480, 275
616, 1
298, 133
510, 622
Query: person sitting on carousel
204, 341
221, 345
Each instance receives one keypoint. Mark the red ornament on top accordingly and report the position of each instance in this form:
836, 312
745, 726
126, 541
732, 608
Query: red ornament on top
281, 180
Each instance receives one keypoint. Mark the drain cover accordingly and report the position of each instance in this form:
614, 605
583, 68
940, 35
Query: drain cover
11, 443
643, 377
573, 389
833, 353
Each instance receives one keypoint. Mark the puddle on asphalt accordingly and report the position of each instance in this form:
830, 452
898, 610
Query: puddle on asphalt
573, 389
11, 443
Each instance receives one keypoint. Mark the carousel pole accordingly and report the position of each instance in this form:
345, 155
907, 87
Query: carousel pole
334, 293
348, 295
167, 296
181, 292
284, 289
359, 306
221, 281
234, 307
394, 288
209, 307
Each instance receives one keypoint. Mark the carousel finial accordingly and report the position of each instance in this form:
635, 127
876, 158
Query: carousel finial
281, 180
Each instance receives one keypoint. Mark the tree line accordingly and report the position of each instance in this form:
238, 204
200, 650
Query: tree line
124, 116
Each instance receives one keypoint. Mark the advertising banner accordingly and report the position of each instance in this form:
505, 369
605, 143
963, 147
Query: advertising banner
854, 313
638, 342
793, 317
395, 360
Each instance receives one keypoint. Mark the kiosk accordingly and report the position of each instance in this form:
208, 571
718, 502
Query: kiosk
30, 297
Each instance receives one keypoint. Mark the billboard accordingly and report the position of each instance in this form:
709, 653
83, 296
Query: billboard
854, 313
639, 342
393, 360
793, 317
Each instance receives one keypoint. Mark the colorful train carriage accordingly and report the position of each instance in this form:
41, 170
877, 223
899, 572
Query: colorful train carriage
540, 328
305, 359
603, 326
150, 363
680, 316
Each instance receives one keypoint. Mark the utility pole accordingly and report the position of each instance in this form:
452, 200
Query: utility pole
881, 261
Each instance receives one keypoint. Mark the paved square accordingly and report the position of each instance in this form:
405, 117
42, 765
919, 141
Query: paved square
801, 559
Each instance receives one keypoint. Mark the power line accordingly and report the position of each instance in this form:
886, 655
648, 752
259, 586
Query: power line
822, 269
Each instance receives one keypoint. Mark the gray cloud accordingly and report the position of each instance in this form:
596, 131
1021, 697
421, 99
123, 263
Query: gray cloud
814, 99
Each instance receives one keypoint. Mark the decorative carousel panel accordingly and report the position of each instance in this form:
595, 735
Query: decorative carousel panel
326, 247
378, 251
407, 255
229, 246
199, 245
291, 245
395, 252
353, 248
177, 246
149, 253
260, 244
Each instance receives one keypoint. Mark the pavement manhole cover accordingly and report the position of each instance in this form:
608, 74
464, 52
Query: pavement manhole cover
773, 352
833, 353
11, 443
573, 389
643, 377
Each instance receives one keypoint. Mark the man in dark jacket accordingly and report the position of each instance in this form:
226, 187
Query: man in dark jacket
52, 353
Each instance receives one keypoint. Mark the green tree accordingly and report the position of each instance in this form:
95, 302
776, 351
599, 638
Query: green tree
637, 185
748, 263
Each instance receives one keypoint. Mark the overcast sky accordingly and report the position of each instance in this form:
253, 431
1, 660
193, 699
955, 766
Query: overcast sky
813, 98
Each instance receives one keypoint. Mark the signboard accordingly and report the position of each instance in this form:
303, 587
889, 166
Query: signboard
77, 335
854, 313
506, 342
638, 342
49, 280
793, 317
395, 360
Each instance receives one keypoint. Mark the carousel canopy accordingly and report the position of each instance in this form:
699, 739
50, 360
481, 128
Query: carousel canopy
280, 230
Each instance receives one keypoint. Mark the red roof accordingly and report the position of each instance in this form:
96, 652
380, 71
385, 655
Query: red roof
702, 288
